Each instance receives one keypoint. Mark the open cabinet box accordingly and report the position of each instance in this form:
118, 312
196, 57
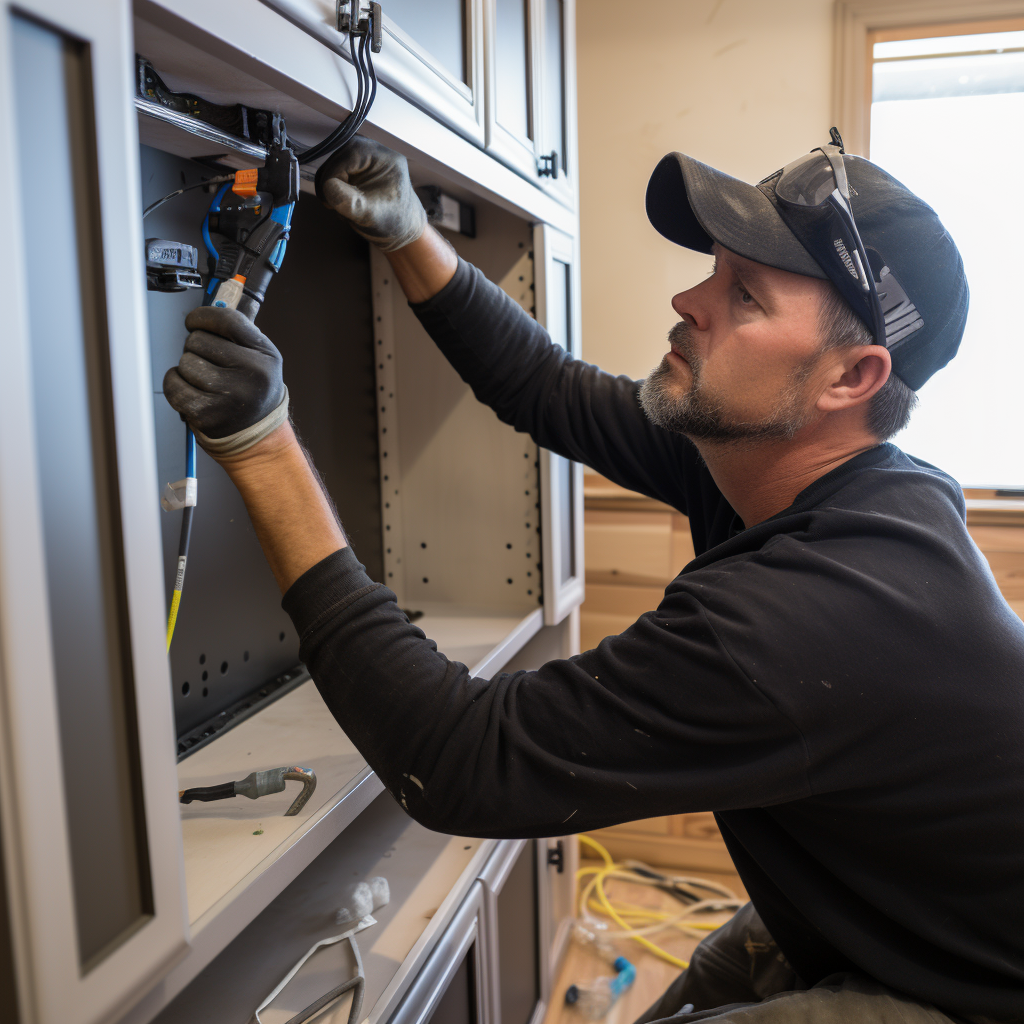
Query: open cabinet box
120, 898
443, 503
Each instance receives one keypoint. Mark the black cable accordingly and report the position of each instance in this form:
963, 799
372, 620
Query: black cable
199, 184
366, 93
338, 138
344, 132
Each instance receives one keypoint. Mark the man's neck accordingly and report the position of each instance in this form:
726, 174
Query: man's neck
762, 479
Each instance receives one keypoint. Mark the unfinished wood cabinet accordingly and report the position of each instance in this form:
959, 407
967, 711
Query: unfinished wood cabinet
688, 841
635, 547
1003, 546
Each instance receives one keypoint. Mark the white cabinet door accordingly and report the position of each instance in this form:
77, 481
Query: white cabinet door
557, 863
558, 310
90, 824
556, 107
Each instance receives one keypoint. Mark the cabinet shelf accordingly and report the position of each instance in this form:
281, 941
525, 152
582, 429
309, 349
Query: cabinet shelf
428, 875
481, 639
231, 873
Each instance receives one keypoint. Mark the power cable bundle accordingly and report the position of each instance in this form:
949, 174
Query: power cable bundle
366, 90
636, 922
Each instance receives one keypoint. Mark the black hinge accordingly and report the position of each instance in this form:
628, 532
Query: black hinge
548, 165
556, 856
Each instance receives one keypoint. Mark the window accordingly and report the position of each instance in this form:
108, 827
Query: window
946, 106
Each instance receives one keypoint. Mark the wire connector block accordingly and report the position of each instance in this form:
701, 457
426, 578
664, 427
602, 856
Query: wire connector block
359, 18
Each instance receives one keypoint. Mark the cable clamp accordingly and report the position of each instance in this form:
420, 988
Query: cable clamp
359, 17
179, 495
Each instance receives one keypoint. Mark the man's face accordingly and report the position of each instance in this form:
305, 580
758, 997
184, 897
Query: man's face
745, 359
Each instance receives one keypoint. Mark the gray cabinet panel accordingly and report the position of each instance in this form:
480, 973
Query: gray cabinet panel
439, 27
518, 941
76, 460
512, 71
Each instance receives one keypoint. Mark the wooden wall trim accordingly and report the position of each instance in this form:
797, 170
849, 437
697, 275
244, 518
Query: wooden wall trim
854, 19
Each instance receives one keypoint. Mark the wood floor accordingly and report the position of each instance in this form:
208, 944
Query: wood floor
653, 974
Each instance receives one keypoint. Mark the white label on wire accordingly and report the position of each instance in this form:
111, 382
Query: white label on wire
179, 579
229, 294
180, 494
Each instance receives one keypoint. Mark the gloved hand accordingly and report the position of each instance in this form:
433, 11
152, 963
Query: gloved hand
228, 384
369, 185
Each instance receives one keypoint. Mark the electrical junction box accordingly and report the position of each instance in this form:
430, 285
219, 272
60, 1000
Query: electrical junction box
445, 211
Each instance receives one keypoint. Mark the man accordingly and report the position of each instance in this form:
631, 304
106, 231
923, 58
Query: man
835, 674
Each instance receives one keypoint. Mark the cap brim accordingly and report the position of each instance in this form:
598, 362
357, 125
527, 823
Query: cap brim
694, 205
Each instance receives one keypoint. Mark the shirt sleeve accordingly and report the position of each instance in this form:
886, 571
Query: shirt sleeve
566, 405
658, 720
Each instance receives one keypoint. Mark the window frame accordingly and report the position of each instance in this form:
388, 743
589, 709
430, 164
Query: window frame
856, 20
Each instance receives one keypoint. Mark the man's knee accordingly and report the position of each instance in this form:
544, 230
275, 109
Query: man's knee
737, 963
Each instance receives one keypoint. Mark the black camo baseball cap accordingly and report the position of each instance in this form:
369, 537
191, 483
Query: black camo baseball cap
910, 252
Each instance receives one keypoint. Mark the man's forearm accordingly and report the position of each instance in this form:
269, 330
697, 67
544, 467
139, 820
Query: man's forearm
293, 517
425, 266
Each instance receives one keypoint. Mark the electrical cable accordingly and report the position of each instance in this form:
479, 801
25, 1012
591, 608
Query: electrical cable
199, 184
636, 922
214, 208
366, 93
186, 535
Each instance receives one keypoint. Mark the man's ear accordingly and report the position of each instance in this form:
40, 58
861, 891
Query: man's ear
857, 375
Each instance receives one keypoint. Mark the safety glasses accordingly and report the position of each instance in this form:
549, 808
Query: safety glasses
814, 201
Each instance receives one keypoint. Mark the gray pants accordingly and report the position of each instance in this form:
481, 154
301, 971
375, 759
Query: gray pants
738, 976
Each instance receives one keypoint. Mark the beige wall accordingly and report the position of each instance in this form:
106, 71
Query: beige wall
743, 85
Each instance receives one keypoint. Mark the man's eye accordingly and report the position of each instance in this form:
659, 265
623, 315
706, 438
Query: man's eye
745, 296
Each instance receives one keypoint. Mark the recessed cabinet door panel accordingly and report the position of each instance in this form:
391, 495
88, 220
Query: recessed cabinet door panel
432, 54
561, 480
438, 27
512, 73
87, 780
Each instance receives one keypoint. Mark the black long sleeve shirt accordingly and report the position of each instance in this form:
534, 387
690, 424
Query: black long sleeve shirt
841, 684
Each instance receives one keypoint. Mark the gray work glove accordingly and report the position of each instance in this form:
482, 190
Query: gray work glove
228, 384
368, 184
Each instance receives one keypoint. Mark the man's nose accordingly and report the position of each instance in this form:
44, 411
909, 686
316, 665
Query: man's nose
691, 308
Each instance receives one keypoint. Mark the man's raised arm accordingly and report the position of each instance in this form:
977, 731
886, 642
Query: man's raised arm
506, 357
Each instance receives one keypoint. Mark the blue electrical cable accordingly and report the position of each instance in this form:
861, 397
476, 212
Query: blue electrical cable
207, 241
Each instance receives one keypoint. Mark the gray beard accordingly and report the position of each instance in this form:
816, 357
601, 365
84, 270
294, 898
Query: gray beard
700, 415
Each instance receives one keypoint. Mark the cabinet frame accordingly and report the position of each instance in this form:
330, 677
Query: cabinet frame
560, 596
53, 986
465, 933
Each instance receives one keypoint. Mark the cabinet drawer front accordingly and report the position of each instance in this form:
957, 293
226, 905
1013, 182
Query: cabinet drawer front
647, 826
699, 825
631, 546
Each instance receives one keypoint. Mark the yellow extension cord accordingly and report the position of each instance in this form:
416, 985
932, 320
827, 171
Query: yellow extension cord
637, 922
